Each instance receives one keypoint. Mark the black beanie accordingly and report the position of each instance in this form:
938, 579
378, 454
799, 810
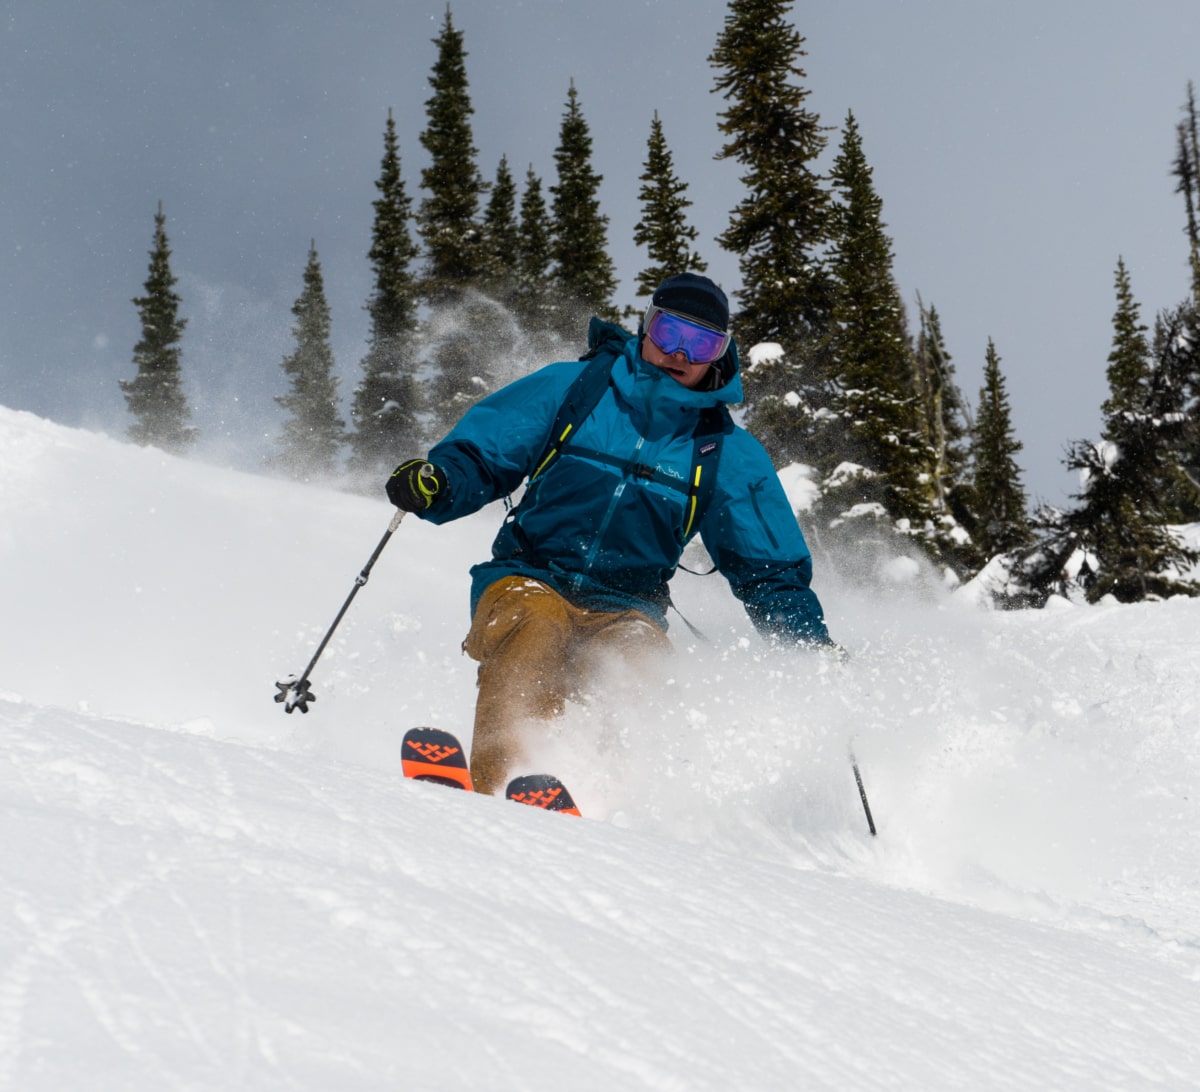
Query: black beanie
692, 294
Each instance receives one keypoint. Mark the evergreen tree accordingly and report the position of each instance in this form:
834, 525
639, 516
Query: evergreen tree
1000, 503
468, 342
1138, 555
1175, 372
947, 417
1123, 520
492, 315
1134, 485
663, 229
387, 401
1153, 395
947, 428
313, 432
155, 395
584, 273
447, 216
1128, 363
1187, 172
501, 237
871, 359
1028, 576
1185, 493
787, 415
534, 296
456, 266
778, 231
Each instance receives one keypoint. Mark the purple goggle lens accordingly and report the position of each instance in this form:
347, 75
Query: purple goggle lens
672, 333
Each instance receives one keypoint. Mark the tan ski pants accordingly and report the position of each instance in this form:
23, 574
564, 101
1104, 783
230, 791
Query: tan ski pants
535, 650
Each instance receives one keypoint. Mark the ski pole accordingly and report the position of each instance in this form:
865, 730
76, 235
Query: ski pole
862, 793
843, 660
295, 693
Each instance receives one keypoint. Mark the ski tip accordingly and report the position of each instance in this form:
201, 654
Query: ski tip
432, 754
541, 791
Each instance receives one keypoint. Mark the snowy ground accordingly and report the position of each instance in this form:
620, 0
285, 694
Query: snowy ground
200, 892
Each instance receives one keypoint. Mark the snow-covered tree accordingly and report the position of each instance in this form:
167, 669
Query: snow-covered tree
946, 414
947, 426
870, 354
1175, 357
1126, 478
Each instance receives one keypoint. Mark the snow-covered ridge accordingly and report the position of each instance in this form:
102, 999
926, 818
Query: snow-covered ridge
201, 892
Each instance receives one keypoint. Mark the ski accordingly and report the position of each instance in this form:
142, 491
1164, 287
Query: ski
431, 754
541, 791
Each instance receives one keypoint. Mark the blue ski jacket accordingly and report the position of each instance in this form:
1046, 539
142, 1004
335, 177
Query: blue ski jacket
606, 523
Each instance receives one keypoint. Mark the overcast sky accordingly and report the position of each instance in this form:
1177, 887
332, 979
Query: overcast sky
1019, 149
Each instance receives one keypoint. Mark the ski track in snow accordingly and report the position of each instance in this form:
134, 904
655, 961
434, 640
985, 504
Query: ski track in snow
201, 892
207, 914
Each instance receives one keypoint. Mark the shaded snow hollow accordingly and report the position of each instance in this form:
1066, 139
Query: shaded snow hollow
201, 892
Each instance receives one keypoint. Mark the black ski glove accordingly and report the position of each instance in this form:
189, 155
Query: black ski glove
415, 485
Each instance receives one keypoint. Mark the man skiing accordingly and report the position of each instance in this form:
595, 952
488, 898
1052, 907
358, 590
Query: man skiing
579, 569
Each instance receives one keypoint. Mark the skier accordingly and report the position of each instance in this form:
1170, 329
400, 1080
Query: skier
579, 568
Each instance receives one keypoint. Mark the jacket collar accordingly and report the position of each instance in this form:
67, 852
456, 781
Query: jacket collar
643, 384
664, 390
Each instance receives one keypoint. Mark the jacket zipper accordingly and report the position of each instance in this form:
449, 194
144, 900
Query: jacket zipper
577, 579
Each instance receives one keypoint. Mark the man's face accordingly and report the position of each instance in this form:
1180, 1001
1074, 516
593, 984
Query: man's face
676, 365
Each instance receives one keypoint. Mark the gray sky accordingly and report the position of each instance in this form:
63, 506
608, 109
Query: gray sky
1019, 149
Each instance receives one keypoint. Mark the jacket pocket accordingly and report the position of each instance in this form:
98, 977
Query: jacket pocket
755, 489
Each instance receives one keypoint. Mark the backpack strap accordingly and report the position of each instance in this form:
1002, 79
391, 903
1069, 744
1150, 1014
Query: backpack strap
582, 395
715, 422
605, 343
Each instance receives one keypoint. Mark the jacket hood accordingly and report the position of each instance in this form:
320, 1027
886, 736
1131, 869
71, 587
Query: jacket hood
641, 382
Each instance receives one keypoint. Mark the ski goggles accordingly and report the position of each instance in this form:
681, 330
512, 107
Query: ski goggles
673, 333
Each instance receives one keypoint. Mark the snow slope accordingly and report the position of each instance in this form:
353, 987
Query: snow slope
199, 891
